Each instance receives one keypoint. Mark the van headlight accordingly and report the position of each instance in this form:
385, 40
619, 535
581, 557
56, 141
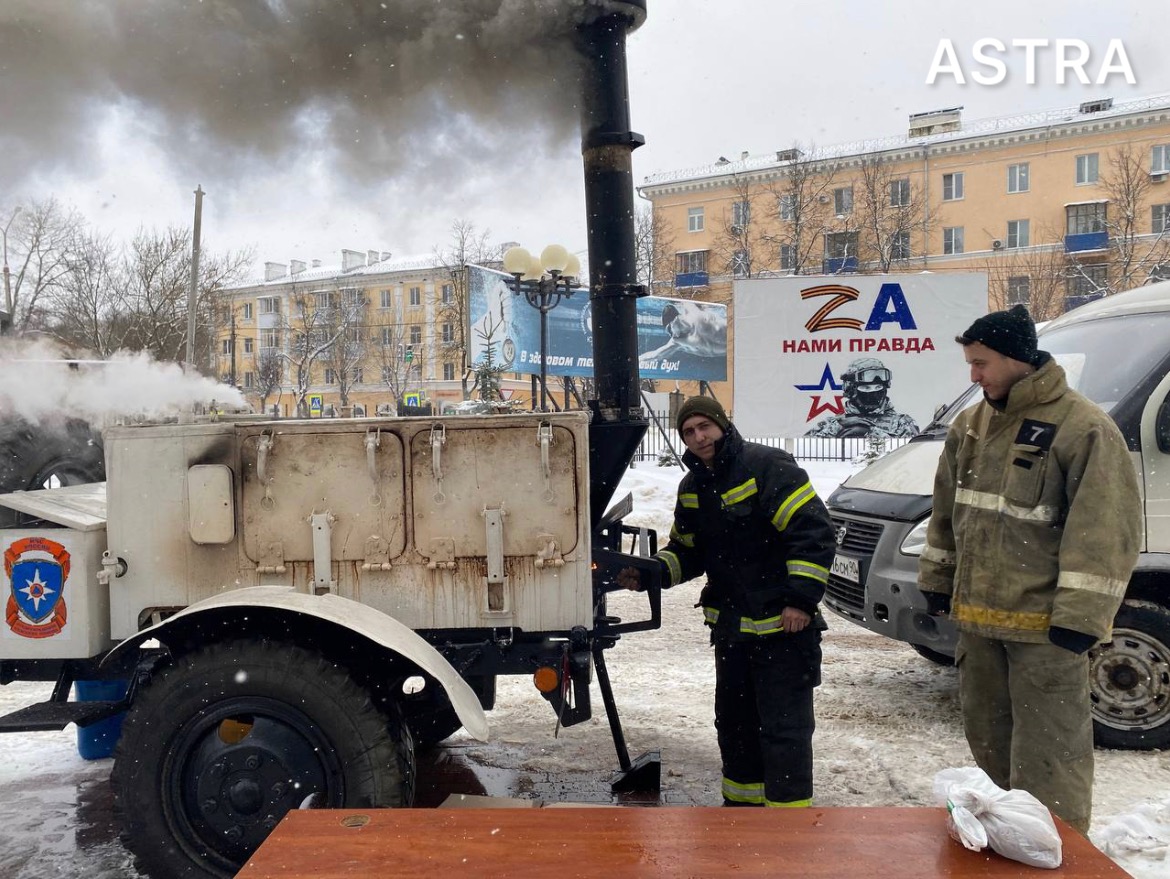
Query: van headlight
915, 541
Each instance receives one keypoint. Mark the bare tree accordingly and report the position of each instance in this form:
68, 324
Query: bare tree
1036, 277
42, 242
742, 245
654, 250
343, 318
311, 333
889, 208
390, 353
466, 246
87, 305
269, 367
803, 201
1133, 254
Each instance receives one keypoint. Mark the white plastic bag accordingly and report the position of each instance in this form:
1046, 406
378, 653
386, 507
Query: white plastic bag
1013, 822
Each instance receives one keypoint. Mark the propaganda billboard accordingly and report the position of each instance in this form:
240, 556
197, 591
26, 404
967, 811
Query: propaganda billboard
677, 338
850, 356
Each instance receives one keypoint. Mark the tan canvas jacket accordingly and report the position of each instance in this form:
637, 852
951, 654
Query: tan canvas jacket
1037, 517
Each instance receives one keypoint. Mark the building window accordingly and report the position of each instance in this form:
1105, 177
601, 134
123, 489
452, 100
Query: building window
741, 214
330, 376
387, 336
249, 380
415, 296
843, 200
1088, 280
953, 186
692, 261
387, 374
787, 258
694, 219
900, 245
900, 193
247, 311
325, 299
448, 294
359, 376
1085, 218
841, 245
787, 207
415, 334
227, 346
953, 239
270, 305
387, 299
448, 333
1160, 160
740, 264
1087, 168
269, 337
1160, 218
1018, 177
352, 297
448, 372
248, 344
1017, 233
1019, 290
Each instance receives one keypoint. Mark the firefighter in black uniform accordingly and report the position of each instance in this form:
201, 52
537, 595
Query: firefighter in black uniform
748, 517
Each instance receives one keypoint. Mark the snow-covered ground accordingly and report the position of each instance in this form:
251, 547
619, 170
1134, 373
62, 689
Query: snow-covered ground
887, 721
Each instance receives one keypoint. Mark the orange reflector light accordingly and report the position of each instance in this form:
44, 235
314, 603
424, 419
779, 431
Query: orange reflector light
546, 679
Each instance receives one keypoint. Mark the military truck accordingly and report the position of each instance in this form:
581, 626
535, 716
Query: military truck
297, 605
1116, 351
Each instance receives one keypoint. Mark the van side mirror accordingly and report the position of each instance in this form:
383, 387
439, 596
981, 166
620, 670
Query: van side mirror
938, 411
1162, 426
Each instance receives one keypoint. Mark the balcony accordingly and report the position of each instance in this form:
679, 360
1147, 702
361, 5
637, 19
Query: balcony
1071, 302
690, 279
839, 265
1086, 241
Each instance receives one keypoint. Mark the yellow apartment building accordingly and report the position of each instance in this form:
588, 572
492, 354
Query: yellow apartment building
368, 336
1057, 207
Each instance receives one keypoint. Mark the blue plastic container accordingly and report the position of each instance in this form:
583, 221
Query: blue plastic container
98, 739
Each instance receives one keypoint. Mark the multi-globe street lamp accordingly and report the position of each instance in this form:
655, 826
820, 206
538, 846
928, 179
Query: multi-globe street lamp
543, 281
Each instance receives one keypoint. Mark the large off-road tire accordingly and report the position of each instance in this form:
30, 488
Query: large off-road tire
1129, 680
933, 655
225, 740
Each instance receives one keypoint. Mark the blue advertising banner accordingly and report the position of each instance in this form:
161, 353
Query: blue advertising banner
677, 338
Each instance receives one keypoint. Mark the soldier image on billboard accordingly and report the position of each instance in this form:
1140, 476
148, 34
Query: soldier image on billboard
868, 410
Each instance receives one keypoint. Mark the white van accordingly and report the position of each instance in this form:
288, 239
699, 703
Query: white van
1116, 351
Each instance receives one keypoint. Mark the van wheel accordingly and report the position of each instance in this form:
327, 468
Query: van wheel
1129, 680
222, 743
47, 456
933, 655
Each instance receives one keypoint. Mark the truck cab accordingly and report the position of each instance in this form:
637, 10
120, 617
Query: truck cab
1116, 351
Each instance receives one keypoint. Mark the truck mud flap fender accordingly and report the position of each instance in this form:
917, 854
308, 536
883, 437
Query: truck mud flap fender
359, 618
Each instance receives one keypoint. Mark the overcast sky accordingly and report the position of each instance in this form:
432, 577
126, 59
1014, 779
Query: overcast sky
372, 126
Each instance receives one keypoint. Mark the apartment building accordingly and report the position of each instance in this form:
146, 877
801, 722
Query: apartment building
367, 336
1057, 207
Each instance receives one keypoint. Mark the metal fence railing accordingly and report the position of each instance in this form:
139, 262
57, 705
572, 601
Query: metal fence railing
655, 446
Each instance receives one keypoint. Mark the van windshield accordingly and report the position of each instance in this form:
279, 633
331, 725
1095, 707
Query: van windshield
1103, 359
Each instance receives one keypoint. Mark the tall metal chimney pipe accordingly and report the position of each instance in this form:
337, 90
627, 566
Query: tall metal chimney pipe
607, 145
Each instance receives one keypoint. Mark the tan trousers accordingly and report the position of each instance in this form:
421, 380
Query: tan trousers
1026, 716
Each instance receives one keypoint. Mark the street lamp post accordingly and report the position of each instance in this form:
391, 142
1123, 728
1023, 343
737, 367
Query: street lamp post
543, 281
8, 307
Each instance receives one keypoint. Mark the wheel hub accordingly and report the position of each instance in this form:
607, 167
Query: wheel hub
1130, 677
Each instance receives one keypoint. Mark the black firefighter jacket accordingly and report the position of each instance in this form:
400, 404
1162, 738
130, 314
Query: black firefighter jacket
756, 527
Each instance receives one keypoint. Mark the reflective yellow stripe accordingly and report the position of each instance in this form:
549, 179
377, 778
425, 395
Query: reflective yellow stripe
1091, 583
689, 501
792, 503
770, 626
808, 569
739, 493
985, 616
710, 615
743, 793
982, 500
673, 565
791, 804
685, 539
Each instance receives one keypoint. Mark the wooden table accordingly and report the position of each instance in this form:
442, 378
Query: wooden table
636, 843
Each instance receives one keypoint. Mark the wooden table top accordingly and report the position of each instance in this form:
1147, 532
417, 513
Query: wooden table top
637, 843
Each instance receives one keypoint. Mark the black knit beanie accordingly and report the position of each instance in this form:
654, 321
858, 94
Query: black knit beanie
1010, 332
708, 406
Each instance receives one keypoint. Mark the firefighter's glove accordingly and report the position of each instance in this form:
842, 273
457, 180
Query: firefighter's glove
1070, 639
630, 578
938, 604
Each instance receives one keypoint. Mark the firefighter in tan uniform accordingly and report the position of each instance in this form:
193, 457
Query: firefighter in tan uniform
1035, 530
748, 517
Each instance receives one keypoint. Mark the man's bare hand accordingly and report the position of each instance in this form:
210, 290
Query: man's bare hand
794, 619
630, 578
